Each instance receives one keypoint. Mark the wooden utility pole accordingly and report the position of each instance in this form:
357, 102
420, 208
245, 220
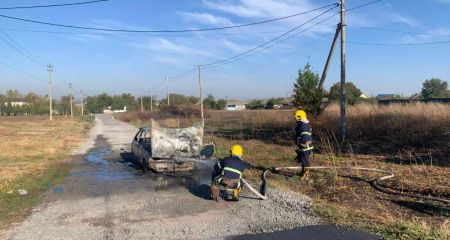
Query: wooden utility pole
70, 98
342, 92
200, 86
50, 70
82, 102
168, 95
330, 56
142, 106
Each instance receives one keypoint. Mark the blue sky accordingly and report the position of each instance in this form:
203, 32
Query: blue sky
138, 63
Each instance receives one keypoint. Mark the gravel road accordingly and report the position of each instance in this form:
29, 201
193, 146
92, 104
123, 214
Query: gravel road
107, 197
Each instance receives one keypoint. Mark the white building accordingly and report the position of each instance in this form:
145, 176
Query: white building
233, 105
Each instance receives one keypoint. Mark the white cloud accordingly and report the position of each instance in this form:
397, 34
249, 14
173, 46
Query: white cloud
432, 35
396, 17
206, 18
255, 8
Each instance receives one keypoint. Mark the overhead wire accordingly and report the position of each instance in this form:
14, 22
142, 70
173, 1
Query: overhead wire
53, 5
9, 41
224, 61
135, 34
23, 72
362, 5
399, 44
166, 31
281, 40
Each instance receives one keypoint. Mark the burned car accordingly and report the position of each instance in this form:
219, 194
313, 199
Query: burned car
164, 149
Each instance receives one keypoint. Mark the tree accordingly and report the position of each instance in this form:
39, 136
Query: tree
180, 99
352, 93
270, 103
13, 94
209, 102
435, 88
221, 104
64, 105
306, 94
255, 104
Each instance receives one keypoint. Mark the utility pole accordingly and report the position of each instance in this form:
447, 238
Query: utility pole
142, 106
82, 102
168, 95
330, 56
151, 103
200, 86
342, 92
50, 70
70, 96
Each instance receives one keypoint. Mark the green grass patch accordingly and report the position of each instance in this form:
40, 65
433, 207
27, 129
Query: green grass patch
14, 207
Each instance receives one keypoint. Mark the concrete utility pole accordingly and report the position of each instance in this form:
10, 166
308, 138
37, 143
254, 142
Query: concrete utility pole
168, 95
330, 56
342, 92
50, 70
200, 86
151, 103
142, 106
82, 102
71, 103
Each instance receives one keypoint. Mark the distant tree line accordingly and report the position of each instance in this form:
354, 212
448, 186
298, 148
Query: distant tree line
307, 96
14, 103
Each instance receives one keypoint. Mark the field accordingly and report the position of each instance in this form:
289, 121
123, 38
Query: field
411, 141
33, 153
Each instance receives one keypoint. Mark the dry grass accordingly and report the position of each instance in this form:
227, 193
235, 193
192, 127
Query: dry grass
414, 140
348, 198
392, 128
30, 145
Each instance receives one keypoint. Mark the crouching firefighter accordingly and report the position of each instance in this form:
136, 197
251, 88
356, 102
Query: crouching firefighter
303, 140
227, 173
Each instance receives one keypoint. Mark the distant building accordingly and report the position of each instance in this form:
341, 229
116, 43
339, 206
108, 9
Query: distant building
233, 105
416, 96
286, 103
388, 96
363, 96
16, 102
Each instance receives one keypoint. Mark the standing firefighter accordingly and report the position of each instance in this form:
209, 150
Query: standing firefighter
228, 172
303, 139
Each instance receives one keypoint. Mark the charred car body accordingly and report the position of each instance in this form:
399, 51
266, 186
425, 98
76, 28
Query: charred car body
170, 149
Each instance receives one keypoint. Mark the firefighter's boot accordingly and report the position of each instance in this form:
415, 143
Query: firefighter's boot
236, 193
304, 175
215, 192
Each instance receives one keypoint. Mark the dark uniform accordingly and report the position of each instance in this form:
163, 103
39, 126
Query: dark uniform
227, 172
303, 139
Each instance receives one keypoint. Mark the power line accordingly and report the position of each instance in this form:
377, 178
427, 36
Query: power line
268, 42
131, 34
363, 5
24, 73
8, 40
53, 5
399, 44
185, 73
280, 41
166, 31
394, 30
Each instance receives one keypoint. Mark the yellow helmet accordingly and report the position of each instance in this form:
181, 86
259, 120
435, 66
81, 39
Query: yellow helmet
236, 150
300, 115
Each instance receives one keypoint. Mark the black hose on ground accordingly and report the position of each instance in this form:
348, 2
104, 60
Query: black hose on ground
262, 194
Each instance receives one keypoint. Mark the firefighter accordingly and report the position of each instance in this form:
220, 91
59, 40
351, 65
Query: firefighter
228, 172
303, 140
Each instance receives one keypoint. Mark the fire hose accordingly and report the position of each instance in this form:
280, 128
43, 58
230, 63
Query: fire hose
262, 194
